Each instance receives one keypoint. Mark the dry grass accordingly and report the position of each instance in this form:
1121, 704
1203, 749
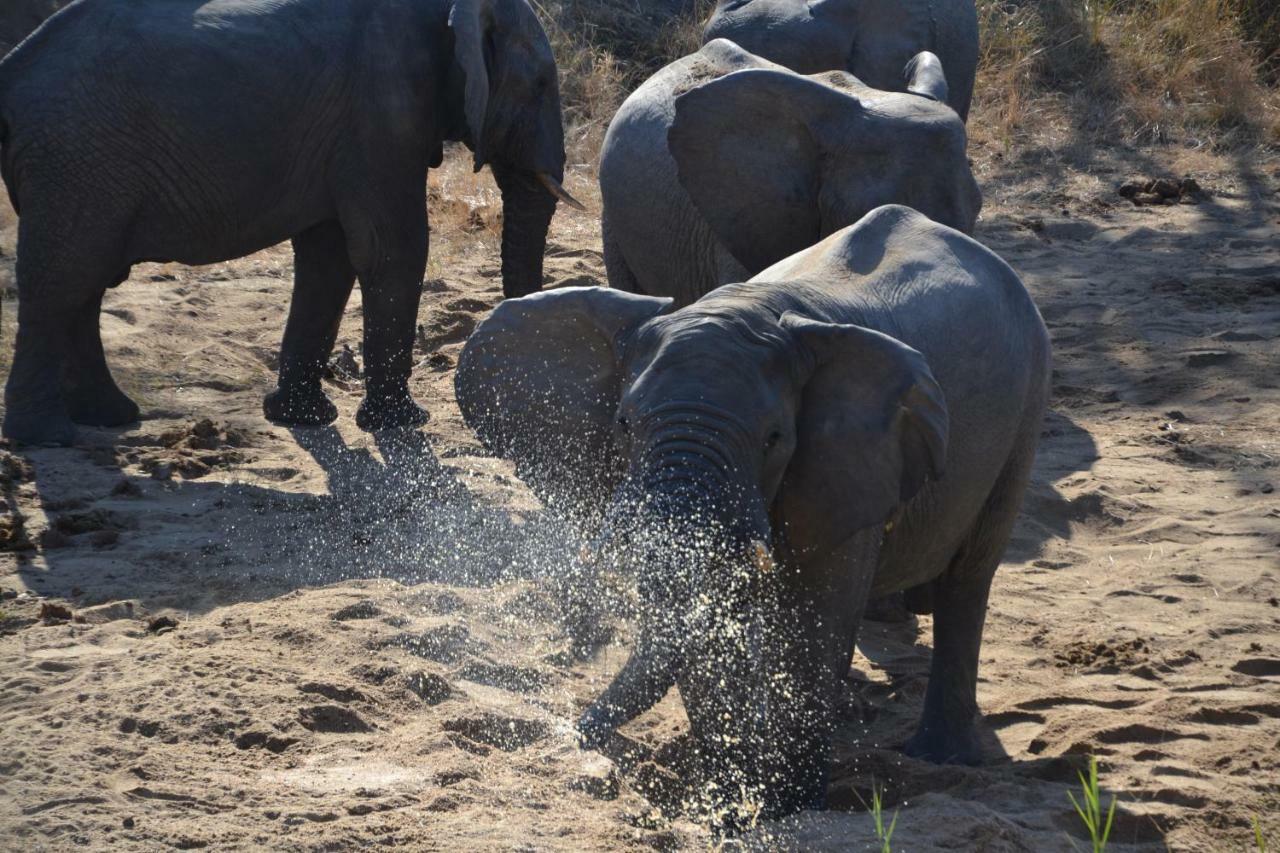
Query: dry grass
1105, 72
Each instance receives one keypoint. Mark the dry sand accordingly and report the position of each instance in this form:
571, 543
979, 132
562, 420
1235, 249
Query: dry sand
315, 639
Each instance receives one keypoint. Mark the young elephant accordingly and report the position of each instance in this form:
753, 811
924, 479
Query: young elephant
201, 130
723, 163
777, 453
872, 39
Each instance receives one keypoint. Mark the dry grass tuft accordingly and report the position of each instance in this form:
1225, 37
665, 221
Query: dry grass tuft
605, 49
1127, 71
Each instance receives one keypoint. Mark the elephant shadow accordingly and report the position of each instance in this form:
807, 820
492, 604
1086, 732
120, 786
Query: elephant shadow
112, 531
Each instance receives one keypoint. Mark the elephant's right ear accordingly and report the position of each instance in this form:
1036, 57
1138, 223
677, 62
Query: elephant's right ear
745, 154
539, 383
924, 76
471, 22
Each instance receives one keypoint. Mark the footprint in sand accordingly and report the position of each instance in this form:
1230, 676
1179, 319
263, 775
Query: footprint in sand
506, 733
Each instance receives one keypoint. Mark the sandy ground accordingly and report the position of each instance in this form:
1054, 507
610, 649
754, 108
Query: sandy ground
315, 639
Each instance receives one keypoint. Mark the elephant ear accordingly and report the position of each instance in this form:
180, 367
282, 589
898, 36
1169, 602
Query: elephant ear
472, 23
746, 155
924, 76
872, 429
538, 381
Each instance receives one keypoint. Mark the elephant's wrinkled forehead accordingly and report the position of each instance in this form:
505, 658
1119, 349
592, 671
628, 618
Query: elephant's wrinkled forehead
717, 355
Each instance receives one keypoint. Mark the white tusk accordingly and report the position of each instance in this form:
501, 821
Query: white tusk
763, 558
553, 187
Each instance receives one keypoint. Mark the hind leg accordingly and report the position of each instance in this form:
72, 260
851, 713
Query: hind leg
59, 290
616, 268
90, 392
947, 732
322, 281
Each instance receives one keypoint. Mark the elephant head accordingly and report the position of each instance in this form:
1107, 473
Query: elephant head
743, 441
775, 161
511, 111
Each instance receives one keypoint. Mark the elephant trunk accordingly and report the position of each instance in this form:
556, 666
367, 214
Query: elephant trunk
527, 208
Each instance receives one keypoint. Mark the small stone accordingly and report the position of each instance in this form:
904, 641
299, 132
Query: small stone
51, 611
160, 623
127, 823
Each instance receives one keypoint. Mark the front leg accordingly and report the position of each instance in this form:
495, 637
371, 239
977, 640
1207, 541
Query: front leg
821, 607
390, 256
322, 281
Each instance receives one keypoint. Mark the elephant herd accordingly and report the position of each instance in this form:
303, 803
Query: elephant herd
805, 386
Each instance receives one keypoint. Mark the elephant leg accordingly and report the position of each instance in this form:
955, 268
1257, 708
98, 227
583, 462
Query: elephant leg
322, 281
616, 268
826, 607
59, 290
641, 683
91, 394
947, 732
390, 257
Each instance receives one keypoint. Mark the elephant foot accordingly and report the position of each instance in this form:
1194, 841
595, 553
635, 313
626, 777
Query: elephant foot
391, 412
110, 408
299, 405
944, 745
594, 728
40, 429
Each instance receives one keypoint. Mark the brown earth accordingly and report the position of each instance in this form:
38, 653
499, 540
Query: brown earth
221, 633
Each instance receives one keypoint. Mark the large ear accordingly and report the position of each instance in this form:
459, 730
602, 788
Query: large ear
924, 76
745, 154
872, 429
472, 22
538, 382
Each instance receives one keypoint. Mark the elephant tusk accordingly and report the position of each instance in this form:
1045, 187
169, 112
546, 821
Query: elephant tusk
763, 558
553, 187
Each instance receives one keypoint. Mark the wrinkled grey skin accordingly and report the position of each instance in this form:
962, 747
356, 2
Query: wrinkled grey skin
872, 39
869, 407
18, 18
723, 163
197, 132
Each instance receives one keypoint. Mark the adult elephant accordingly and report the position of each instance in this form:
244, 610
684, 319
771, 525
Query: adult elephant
872, 39
723, 163
18, 18
857, 419
198, 131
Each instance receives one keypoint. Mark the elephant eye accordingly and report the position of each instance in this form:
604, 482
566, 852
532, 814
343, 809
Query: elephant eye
624, 426
772, 440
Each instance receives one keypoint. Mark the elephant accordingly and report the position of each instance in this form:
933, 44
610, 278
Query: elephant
872, 39
859, 418
153, 130
19, 18
723, 163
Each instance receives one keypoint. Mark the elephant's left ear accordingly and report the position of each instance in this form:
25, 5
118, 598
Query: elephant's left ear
872, 430
471, 22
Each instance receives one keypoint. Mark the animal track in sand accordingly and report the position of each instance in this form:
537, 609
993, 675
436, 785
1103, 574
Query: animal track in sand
505, 733
520, 679
1258, 667
1143, 733
444, 644
333, 719
1046, 702
336, 692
